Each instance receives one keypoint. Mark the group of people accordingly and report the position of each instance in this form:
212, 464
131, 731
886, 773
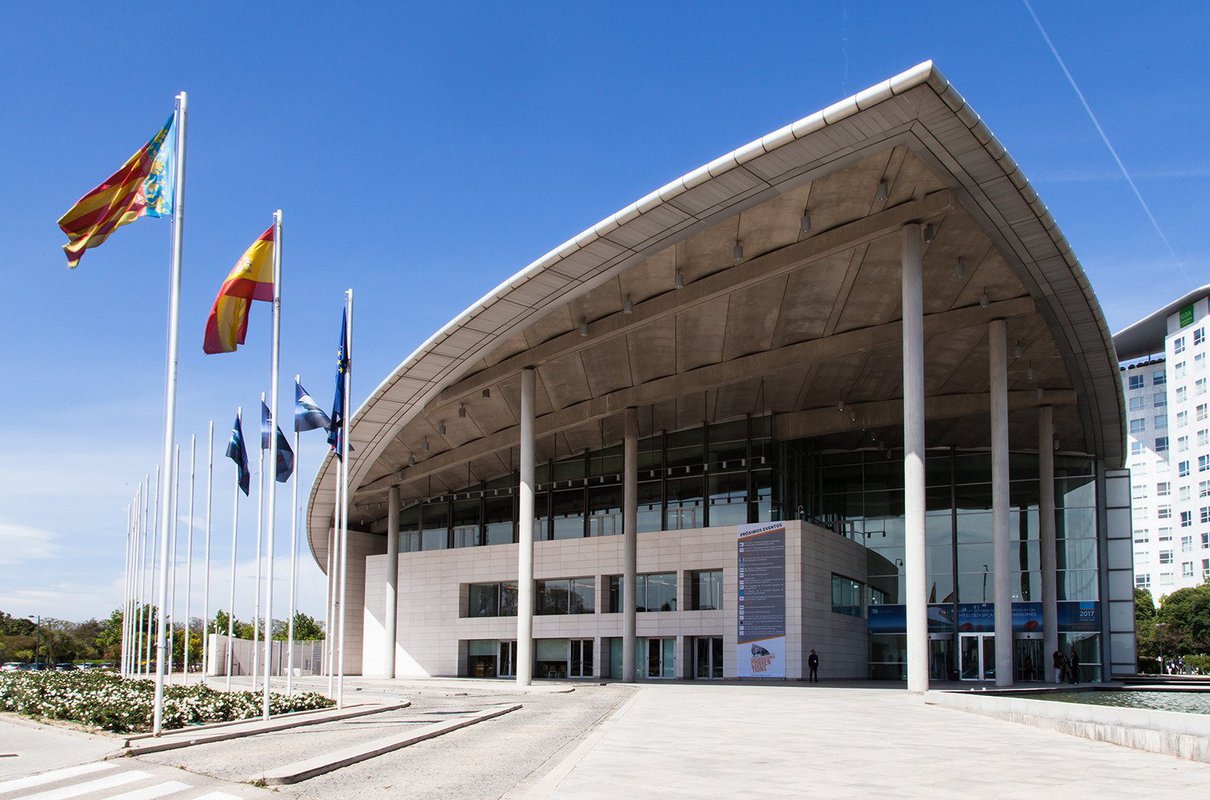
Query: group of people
1067, 668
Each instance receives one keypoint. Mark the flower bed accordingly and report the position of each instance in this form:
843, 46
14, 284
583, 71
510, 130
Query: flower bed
107, 701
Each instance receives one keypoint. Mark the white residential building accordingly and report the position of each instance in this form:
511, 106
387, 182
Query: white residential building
1165, 377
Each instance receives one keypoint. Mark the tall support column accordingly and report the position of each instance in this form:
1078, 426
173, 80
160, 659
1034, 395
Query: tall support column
913, 457
630, 539
392, 582
525, 529
1046, 535
997, 351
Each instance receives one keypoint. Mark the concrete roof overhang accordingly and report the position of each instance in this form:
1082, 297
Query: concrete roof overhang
1146, 337
649, 308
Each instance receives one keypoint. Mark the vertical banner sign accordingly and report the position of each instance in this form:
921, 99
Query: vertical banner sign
760, 643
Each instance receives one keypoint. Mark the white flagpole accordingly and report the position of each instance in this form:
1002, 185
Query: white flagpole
174, 561
344, 481
142, 594
206, 581
293, 558
260, 520
132, 583
125, 597
174, 313
155, 613
272, 512
239, 414
330, 622
189, 554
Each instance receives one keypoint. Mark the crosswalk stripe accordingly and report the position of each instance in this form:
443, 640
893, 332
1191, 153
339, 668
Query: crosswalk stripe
152, 792
113, 781
56, 775
217, 796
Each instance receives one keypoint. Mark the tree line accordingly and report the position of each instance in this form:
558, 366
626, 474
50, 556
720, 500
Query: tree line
1179, 627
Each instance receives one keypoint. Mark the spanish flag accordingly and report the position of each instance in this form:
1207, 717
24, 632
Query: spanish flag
142, 187
252, 279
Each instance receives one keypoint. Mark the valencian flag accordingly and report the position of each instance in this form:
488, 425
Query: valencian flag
143, 187
251, 279
239, 454
338, 402
307, 414
285, 458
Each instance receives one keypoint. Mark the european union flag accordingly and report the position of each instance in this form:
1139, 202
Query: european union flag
338, 402
266, 425
307, 414
285, 458
239, 454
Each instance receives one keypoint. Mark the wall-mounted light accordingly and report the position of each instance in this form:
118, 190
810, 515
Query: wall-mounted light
679, 280
930, 233
425, 446
959, 268
412, 460
487, 393
583, 327
1018, 350
984, 302
441, 427
627, 305
1029, 371
883, 192
738, 251
804, 224
461, 411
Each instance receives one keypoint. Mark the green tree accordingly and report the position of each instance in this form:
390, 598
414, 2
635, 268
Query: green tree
108, 638
15, 626
306, 628
1184, 621
1144, 624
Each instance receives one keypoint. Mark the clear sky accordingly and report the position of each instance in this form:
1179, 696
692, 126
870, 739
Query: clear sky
423, 154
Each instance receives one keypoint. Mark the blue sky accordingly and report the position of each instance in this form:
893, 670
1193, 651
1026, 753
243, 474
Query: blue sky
422, 154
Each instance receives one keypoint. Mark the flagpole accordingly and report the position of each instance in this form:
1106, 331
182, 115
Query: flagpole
344, 480
272, 512
132, 582
293, 555
174, 562
174, 313
330, 622
189, 555
206, 581
239, 413
142, 594
155, 613
260, 519
125, 596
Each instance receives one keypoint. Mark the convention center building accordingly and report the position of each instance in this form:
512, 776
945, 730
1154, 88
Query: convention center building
846, 389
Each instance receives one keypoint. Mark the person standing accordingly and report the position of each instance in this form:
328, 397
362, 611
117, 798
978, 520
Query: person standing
1075, 666
813, 666
1057, 661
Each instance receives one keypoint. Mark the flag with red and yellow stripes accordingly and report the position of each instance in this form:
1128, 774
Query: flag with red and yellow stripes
251, 279
140, 188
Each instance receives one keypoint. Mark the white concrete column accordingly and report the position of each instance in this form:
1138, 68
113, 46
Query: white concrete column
391, 606
630, 538
913, 458
1046, 536
997, 351
525, 529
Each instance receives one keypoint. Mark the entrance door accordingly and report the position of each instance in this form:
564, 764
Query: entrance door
580, 665
507, 665
1028, 659
941, 658
660, 658
708, 657
978, 652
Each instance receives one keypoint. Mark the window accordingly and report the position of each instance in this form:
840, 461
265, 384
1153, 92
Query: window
706, 590
1205, 541
1165, 579
1182, 419
1203, 463
1199, 362
1159, 400
653, 592
1201, 411
1137, 403
1161, 444
1136, 381
1136, 448
1206, 569
1186, 519
1178, 345
1186, 569
1178, 371
1182, 469
1199, 336
1161, 421
1142, 581
1164, 512
1187, 544
1203, 438
1199, 386
565, 596
1203, 488
1138, 425
1141, 557
1158, 378
846, 596
1163, 489
1140, 536
492, 599
1182, 444
1165, 535
1165, 556
1181, 393
1183, 493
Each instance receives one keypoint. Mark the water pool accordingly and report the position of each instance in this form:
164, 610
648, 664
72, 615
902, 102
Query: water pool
1184, 702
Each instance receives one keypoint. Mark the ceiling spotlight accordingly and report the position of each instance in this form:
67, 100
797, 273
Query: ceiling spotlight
930, 233
425, 446
805, 224
441, 427
984, 302
738, 251
1056, 444
461, 411
960, 268
487, 393
1029, 372
840, 406
679, 281
1018, 350
583, 327
883, 192
852, 416
627, 305
412, 460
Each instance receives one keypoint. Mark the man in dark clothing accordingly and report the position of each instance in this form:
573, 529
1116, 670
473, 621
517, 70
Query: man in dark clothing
813, 664
1075, 666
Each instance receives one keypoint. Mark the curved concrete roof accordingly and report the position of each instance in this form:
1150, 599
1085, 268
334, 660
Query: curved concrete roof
919, 107
1146, 337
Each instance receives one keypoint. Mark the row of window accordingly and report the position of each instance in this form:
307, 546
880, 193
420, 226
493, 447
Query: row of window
1142, 580
654, 591
1165, 535
1178, 344
1138, 381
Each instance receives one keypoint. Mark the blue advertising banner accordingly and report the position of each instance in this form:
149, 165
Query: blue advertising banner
760, 646
1082, 616
893, 618
1074, 617
1027, 617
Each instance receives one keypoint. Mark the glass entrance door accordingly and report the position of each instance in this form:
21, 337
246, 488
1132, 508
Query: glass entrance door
580, 665
507, 665
978, 652
941, 658
1028, 659
708, 657
656, 658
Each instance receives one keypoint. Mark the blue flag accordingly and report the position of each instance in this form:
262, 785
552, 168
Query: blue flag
266, 425
338, 403
239, 454
307, 414
285, 458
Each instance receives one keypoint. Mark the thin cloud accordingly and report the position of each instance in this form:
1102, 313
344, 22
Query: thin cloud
22, 543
